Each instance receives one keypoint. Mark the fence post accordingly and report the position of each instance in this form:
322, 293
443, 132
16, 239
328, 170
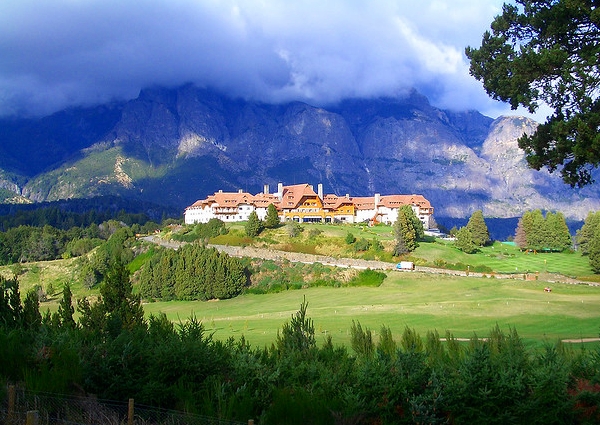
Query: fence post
130, 411
32, 417
11, 402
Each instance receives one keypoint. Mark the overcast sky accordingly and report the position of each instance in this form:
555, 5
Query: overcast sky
59, 53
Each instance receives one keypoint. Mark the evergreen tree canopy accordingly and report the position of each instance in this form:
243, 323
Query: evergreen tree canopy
536, 232
272, 219
546, 51
122, 308
254, 226
408, 228
479, 231
193, 272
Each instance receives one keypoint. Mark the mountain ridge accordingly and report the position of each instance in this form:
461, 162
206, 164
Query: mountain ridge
174, 146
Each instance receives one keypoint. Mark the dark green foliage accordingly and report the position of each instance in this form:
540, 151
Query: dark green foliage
350, 238
253, 226
122, 308
192, 273
361, 341
202, 231
464, 241
66, 309
272, 219
11, 310
386, 344
368, 277
362, 245
541, 51
297, 335
31, 317
496, 380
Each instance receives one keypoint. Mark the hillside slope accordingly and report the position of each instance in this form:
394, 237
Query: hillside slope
174, 146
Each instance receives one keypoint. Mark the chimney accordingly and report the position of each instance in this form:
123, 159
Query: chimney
266, 189
377, 199
280, 190
320, 191
240, 191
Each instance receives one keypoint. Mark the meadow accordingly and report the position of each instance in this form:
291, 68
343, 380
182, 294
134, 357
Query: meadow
463, 306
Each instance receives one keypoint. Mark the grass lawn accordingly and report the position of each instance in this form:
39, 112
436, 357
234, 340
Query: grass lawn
504, 258
463, 306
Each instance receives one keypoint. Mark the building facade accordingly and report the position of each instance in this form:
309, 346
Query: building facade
302, 204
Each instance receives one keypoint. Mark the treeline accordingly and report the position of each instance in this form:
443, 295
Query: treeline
543, 233
29, 243
111, 351
192, 272
70, 213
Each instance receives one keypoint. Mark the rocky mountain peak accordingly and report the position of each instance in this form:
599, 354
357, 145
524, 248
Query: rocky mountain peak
177, 145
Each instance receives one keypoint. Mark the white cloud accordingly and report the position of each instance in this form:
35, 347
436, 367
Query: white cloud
58, 53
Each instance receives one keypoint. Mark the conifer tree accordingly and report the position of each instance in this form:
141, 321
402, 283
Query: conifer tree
406, 230
31, 317
254, 225
272, 219
66, 309
121, 307
479, 230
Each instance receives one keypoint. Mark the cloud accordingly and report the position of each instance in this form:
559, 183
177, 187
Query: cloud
60, 53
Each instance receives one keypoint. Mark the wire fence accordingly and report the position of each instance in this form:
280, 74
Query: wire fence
21, 407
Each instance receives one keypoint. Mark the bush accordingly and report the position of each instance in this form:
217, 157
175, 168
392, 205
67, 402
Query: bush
362, 245
368, 277
350, 238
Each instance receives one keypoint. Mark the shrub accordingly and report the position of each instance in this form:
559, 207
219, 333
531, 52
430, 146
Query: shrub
362, 245
368, 277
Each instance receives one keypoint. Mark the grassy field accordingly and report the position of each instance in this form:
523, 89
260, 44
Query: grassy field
463, 306
505, 258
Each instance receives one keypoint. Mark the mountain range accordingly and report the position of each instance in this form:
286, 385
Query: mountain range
172, 146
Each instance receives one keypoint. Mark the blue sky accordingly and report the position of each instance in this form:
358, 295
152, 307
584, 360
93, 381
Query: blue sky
60, 53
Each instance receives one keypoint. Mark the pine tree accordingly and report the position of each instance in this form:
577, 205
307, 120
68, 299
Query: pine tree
479, 230
66, 309
254, 225
272, 219
31, 317
405, 232
121, 307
